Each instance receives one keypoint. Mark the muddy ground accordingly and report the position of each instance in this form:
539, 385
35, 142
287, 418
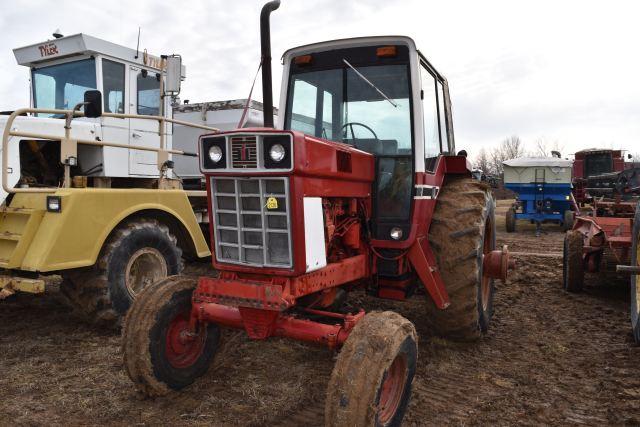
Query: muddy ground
549, 358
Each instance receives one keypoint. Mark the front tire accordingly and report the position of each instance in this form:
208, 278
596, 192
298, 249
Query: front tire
462, 232
567, 223
371, 381
510, 220
137, 254
158, 356
572, 262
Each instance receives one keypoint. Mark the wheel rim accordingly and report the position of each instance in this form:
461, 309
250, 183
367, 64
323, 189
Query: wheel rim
146, 266
183, 350
392, 389
487, 246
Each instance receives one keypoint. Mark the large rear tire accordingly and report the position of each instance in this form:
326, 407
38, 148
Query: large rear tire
462, 231
371, 381
572, 262
635, 280
157, 356
137, 254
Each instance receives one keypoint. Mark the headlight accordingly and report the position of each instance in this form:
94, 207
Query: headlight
277, 152
54, 204
396, 233
215, 153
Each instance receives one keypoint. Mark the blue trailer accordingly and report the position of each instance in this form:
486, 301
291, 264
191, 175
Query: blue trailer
543, 188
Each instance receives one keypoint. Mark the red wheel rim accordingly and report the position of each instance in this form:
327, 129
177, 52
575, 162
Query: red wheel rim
487, 246
183, 350
392, 389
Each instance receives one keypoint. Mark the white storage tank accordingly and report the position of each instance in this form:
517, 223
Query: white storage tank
526, 170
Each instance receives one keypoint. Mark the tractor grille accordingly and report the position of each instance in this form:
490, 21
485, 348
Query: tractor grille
244, 152
252, 221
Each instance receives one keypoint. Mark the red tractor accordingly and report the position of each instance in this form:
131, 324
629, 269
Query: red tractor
356, 187
591, 162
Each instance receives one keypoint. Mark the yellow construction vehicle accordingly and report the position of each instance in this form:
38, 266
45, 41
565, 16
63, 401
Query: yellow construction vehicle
87, 180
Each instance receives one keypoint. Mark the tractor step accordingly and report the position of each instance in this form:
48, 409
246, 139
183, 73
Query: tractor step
17, 228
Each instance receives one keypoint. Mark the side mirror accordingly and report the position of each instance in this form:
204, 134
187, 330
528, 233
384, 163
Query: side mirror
93, 104
629, 156
174, 75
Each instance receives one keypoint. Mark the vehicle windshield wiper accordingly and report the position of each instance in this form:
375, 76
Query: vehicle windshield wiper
369, 83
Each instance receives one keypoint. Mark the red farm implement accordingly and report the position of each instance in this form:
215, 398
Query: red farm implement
608, 240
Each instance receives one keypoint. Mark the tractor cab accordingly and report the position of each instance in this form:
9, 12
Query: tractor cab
381, 96
591, 163
132, 83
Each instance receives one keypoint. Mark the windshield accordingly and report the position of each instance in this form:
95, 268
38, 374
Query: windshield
597, 164
361, 98
62, 86
368, 107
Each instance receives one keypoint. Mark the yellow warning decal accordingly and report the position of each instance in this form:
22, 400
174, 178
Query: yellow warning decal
272, 203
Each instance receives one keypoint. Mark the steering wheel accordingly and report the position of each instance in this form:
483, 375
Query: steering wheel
353, 135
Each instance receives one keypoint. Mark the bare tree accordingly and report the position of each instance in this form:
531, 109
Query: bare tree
482, 161
509, 148
544, 147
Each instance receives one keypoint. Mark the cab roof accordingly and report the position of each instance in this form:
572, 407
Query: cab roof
37, 54
347, 43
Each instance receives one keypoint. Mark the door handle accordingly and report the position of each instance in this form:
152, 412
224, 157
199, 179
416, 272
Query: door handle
136, 135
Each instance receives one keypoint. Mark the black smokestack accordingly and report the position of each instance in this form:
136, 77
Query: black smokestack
265, 46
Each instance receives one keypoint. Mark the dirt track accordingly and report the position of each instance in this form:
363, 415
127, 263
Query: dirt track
549, 358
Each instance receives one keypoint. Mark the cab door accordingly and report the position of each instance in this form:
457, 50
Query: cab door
144, 99
114, 98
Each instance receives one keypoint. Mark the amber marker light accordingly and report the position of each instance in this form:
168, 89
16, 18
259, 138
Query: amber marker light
302, 60
386, 52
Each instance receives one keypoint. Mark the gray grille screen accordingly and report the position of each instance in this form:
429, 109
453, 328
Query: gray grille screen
247, 229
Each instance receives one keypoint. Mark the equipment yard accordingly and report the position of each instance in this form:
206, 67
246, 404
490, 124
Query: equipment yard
550, 357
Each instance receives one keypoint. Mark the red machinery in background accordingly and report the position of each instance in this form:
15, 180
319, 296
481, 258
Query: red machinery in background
592, 162
608, 237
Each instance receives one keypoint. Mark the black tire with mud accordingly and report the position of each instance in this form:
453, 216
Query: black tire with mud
145, 343
567, 223
381, 343
635, 280
572, 263
464, 215
510, 220
99, 294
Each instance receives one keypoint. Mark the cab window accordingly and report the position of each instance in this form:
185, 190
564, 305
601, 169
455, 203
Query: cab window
62, 86
113, 86
443, 121
148, 93
430, 118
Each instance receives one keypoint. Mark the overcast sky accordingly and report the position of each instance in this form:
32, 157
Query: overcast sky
565, 71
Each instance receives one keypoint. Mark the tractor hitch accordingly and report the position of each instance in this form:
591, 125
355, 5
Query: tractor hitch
628, 269
497, 263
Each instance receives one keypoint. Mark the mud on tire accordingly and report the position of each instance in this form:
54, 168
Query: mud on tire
371, 381
138, 253
572, 264
155, 359
510, 220
635, 279
462, 231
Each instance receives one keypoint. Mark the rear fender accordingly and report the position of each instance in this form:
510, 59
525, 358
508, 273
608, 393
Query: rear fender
74, 237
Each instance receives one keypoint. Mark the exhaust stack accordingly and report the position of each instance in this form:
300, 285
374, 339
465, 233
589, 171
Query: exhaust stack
265, 49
